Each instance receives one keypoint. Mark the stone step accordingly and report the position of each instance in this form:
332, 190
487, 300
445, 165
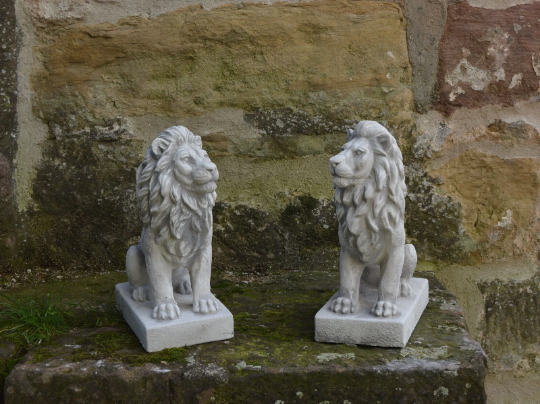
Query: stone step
272, 358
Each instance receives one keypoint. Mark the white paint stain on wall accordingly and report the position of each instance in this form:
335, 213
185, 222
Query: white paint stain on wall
476, 77
536, 63
467, 73
516, 80
455, 93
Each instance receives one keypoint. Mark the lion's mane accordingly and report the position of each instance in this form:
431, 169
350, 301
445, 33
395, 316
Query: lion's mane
175, 215
365, 211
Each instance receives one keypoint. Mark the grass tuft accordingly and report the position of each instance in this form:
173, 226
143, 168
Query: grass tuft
35, 319
31, 320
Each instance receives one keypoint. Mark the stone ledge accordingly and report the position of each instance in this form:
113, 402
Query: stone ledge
273, 356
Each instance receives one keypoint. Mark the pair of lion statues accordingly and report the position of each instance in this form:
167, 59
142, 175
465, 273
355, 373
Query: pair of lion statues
176, 185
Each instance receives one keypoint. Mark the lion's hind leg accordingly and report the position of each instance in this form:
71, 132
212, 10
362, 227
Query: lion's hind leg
389, 286
409, 265
181, 281
137, 274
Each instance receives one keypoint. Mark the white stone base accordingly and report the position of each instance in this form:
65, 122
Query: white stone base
362, 327
189, 329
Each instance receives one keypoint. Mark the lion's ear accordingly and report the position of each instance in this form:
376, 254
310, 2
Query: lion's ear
350, 134
158, 145
385, 140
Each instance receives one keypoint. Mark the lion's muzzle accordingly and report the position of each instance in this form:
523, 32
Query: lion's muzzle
206, 173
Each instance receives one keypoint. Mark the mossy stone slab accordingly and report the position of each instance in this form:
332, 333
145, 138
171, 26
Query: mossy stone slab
272, 357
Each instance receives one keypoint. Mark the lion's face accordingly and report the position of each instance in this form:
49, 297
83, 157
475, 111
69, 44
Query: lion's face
194, 170
353, 165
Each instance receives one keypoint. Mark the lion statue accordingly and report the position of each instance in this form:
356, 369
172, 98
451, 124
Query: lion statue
176, 184
369, 183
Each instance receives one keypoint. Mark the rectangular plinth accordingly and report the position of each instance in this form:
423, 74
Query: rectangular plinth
189, 329
364, 328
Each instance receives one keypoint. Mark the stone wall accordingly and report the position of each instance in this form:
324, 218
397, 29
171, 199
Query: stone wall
271, 87
8, 127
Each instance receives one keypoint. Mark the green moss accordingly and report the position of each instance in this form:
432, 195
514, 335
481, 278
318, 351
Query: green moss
84, 186
42, 354
273, 355
251, 240
432, 220
6, 366
122, 345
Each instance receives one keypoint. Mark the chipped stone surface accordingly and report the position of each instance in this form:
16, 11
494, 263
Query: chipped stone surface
512, 326
499, 303
485, 59
272, 357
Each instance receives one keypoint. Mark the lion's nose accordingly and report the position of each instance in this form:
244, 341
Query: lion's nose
334, 163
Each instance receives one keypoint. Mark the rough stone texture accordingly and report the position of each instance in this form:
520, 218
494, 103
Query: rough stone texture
474, 160
281, 149
8, 124
84, 198
433, 220
272, 357
498, 211
499, 302
489, 56
251, 240
425, 24
257, 82
512, 323
248, 56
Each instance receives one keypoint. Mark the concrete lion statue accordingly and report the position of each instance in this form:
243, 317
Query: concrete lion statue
176, 185
369, 183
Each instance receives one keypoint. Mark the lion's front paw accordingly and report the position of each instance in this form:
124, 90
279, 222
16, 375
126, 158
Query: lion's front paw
205, 306
342, 305
405, 288
384, 309
139, 294
166, 311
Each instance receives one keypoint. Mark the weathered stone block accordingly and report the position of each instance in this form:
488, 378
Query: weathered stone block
272, 357
340, 58
511, 323
489, 56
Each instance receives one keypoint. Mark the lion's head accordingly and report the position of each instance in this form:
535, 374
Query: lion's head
176, 185
370, 186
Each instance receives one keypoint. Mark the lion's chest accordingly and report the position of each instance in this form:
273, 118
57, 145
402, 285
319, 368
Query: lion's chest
356, 232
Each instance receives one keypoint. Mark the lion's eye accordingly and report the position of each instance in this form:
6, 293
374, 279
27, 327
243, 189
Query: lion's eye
185, 159
359, 152
342, 149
